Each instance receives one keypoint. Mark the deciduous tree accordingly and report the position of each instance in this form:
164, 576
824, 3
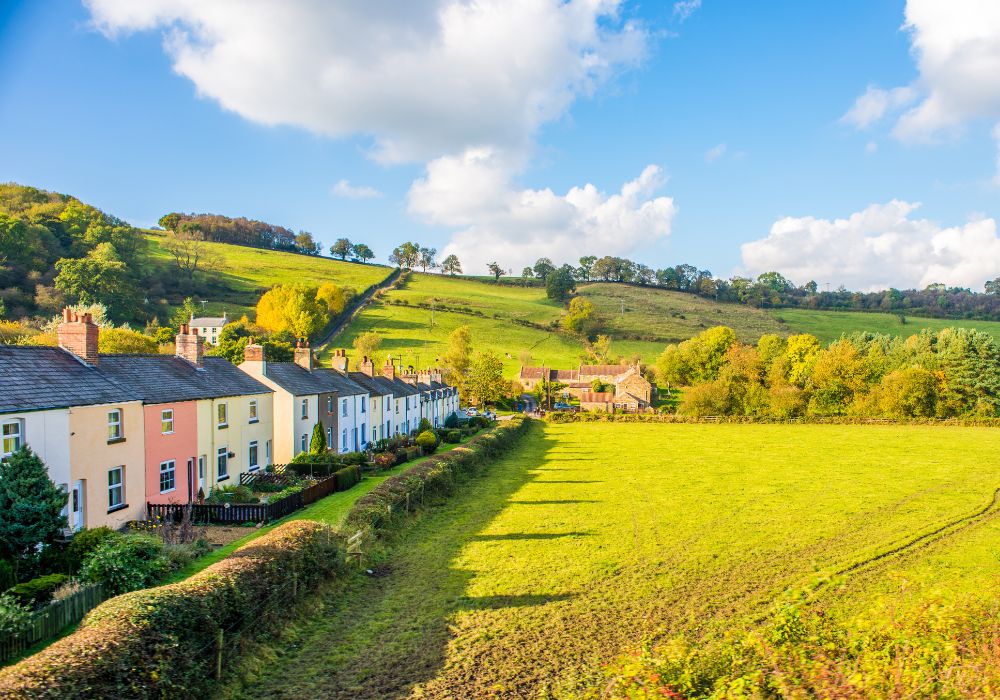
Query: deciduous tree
451, 265
341, 248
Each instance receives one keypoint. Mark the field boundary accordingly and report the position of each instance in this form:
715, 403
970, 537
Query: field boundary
601, 417
358, 304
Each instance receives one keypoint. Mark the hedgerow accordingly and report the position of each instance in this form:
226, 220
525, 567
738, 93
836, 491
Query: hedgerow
435, 477
161, 641
604, 417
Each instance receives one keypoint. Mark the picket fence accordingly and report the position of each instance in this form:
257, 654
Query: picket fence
51, 620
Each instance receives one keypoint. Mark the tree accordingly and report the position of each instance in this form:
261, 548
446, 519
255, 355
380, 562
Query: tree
581, 317
586, 264
334, 298
600, 351
362, 252
187, 247
560, 283
457, 357
993, 286
170, 221
367, 345
486, 383
305, 243
30, 507
291, 308
100, 277
341, 248
801, 351
405, 255
542, 268
427, 258
495, 270
126, 341
317, 444
451, 265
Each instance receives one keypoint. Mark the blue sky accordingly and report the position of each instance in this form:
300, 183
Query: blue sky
107, 117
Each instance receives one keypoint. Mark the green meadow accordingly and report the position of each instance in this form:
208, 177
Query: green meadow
830, 325
590, 538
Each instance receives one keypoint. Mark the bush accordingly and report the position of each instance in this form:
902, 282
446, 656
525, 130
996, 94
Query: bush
385, 460
84, 542
231, 493
424, 426
158, 642
13, 614
357, 458
427, 441
126, 563
6, 575
38, 590
178, 556
347, 477
451, 421
453, 436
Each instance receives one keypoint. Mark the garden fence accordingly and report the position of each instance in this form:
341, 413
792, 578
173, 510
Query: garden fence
51, 620
238, 513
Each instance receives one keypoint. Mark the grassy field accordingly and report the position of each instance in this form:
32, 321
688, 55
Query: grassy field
590, 538
830, 325
246, 273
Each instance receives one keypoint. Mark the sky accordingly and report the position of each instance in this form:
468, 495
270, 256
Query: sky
851, 142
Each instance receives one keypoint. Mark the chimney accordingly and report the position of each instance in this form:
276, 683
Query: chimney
253, 360
304, 356
78, 334
190, 346
409, 376
340, 360
367, 366
389, 369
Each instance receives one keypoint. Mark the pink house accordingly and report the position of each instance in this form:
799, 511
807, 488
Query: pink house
171, 452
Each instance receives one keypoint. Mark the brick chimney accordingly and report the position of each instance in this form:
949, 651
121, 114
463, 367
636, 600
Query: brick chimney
389, 369
409, 376
367, 366
190, 346
78, 334
253, 360
340, 360
304, 356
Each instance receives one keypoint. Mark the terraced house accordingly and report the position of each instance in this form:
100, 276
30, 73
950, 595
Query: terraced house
405, 399
381, 404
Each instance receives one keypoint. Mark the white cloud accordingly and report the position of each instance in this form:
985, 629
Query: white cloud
877, 248
475, 193
422, 78
715, 152
345, 189
685, 8
875, 103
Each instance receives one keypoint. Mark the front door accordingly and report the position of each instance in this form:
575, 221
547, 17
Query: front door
190, 479
77, 506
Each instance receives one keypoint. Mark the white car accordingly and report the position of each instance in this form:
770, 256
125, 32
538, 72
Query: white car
471, 412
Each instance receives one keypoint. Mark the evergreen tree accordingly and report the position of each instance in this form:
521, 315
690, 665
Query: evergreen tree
317, 445
30, 506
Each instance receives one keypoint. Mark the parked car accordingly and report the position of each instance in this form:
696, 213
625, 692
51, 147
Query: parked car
471, 412
561, 406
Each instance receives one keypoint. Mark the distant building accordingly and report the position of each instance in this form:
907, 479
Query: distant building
629, 392
208, 327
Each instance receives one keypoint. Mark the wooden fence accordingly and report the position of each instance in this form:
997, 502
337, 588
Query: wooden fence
238, 513
51, 620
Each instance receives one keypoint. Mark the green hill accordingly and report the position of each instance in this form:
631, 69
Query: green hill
830, 325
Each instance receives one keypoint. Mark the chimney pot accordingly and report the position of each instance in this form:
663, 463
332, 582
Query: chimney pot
304, 357
79, 336
190, 347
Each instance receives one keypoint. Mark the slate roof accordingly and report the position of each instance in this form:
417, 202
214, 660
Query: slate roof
300, 382
401, 388
165, 378
377, 386
209, 321
34, 378
602, 370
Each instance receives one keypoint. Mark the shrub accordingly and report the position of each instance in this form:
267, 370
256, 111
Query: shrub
84, 542
6, 575
424, 426
231, 493
358, 458
451, 421
384, 460
13, 614
178, 556
67, 590
126, 563
158, 642
38, 590
347, 477
453, 436
427, 441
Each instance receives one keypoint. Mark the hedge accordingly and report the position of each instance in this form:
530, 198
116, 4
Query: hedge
163, 641
347, 477
435, 476
603, 417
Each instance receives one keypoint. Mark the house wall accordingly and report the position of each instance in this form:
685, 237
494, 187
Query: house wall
328, 418
91, 456
47, 434
236, 436
179, 446
304, 426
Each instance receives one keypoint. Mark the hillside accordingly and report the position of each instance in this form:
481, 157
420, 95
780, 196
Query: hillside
830, 325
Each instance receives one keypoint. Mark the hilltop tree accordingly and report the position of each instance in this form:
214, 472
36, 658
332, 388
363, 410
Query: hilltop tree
586, 265
188, 248
495, 270
451, 265
305, 243
993, 286
560, 283
427, 258
362, 252
543, 267
30, 507
405, 255
170, 221
341, 248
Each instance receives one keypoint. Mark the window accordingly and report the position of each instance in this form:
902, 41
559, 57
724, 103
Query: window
222, 464
168, 476
363, 402
253, 411
12, 438
114, 425
388, 430
363, 433
343, 407
305, 408
252, 456
344, 443
167, 421
329, 404
116, 488
329, 437
388, 403
267, 452
222, 415
305, 442
201, 469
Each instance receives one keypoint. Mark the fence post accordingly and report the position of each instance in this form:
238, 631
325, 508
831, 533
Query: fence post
218, 654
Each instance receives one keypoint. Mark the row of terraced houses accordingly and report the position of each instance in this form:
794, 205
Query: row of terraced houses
118, 431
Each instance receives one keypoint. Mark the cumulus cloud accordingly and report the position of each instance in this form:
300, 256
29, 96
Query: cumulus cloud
715, 152
345, 189
875, 103
422, 78
880, 247
497, 220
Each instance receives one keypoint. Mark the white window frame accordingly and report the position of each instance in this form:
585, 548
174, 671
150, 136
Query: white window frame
305, 409
363, 404
329, 436
254, 417
344, 440
11, 441
305, 442
115, 421
343, 408
166, 421
168, 469
222, 459
222, 415
116, 489
253, 459
329, 404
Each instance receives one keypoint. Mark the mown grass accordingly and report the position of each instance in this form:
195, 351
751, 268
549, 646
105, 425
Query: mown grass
589, 538
244, 273
830, 325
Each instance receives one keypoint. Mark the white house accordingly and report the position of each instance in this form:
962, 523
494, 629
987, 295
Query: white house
208, 327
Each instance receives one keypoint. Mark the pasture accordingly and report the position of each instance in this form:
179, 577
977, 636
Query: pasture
590, 538
830, 325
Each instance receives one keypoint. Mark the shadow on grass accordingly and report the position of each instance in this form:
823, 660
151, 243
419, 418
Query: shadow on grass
554, 502
379, 637
512, 536
568, 481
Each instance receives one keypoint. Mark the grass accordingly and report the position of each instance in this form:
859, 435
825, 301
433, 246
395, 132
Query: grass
830, 325
245, 273
589, 538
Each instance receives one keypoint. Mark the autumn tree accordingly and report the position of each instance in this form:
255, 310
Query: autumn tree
486, 383
451, 265
291, 308
581, 317
334, 298
127, 342
457, 357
